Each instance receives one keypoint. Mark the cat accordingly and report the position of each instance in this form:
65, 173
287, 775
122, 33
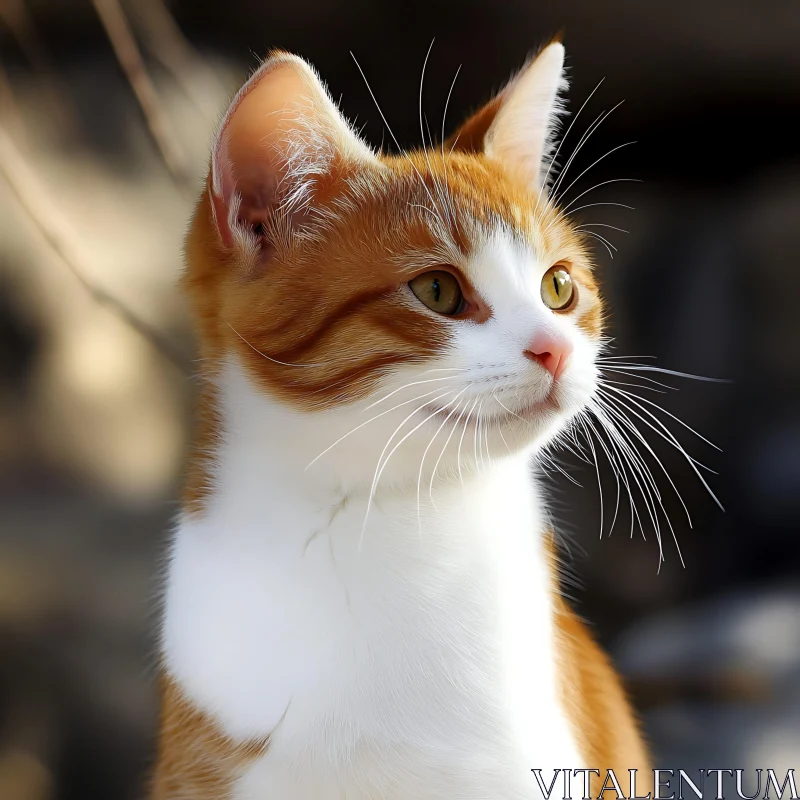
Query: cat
362, 597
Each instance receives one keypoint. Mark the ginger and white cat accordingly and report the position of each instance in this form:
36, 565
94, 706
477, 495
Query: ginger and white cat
362, 599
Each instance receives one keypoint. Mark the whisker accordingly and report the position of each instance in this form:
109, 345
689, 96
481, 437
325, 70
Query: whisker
608, 382
391, 132
447, 105
549, 460
650, 483
502, 405
453, 146
629, 458
617, 463
486, 441
422, 129
346, 359
405, 386
447, 442
424, 208
569, 441
425, 453
617, 358
500, 428
595, 163
603, 369
621, 466
475, 437
563, 139
461, 440
638, 469
633, 430
421, 84
348, 379
663, 371
445, 159
624, 462
483, 441
602, 239
601, 225
668, 436
563, 209
634, 397
503, 438
637, 433
594, 205
286, 363
598, 121
604, 242
371, 419
381, 466
589, 442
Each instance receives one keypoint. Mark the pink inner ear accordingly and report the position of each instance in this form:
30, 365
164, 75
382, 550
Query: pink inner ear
253, 212
248, 162
281, 138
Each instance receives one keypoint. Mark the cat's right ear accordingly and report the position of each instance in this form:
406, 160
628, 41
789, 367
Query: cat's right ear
516, 127
281, 143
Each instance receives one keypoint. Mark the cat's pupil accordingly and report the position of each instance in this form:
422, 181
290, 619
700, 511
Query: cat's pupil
437, 290
555, 284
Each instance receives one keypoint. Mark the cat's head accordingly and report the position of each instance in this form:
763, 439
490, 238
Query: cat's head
432, 306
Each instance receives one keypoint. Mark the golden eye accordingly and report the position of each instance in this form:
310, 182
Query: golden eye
439, 290
558, 291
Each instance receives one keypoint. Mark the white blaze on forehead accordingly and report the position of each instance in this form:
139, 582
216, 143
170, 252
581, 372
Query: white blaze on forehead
507, 272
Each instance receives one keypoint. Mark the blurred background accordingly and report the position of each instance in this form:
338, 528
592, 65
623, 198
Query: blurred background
106, 114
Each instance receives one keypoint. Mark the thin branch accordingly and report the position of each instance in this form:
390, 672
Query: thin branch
19, 20
166, 42
64, 242
9, 110
130, 59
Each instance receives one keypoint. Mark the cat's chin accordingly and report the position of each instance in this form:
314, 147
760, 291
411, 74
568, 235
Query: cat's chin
539, 410
520, 427
532, 426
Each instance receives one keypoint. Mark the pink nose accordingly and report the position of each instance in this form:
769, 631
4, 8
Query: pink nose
551, 352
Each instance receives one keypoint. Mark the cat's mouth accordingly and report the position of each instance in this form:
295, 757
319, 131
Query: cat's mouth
534, 410
494, 408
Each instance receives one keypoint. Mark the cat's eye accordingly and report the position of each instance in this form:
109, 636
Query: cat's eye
558, 291
440, 291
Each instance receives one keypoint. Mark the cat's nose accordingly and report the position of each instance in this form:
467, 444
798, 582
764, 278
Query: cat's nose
551, 351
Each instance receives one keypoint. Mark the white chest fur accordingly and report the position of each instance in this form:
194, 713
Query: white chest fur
411, 657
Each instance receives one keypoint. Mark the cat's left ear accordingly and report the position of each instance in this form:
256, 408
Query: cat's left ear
516, 127
280, 147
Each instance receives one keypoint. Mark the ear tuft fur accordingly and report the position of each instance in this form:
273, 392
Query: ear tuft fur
281, 137
521, 136
517, 126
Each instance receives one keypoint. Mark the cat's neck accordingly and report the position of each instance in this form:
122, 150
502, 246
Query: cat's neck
265, 457
284, 571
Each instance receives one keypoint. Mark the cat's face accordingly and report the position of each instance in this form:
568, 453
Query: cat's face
435, 303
